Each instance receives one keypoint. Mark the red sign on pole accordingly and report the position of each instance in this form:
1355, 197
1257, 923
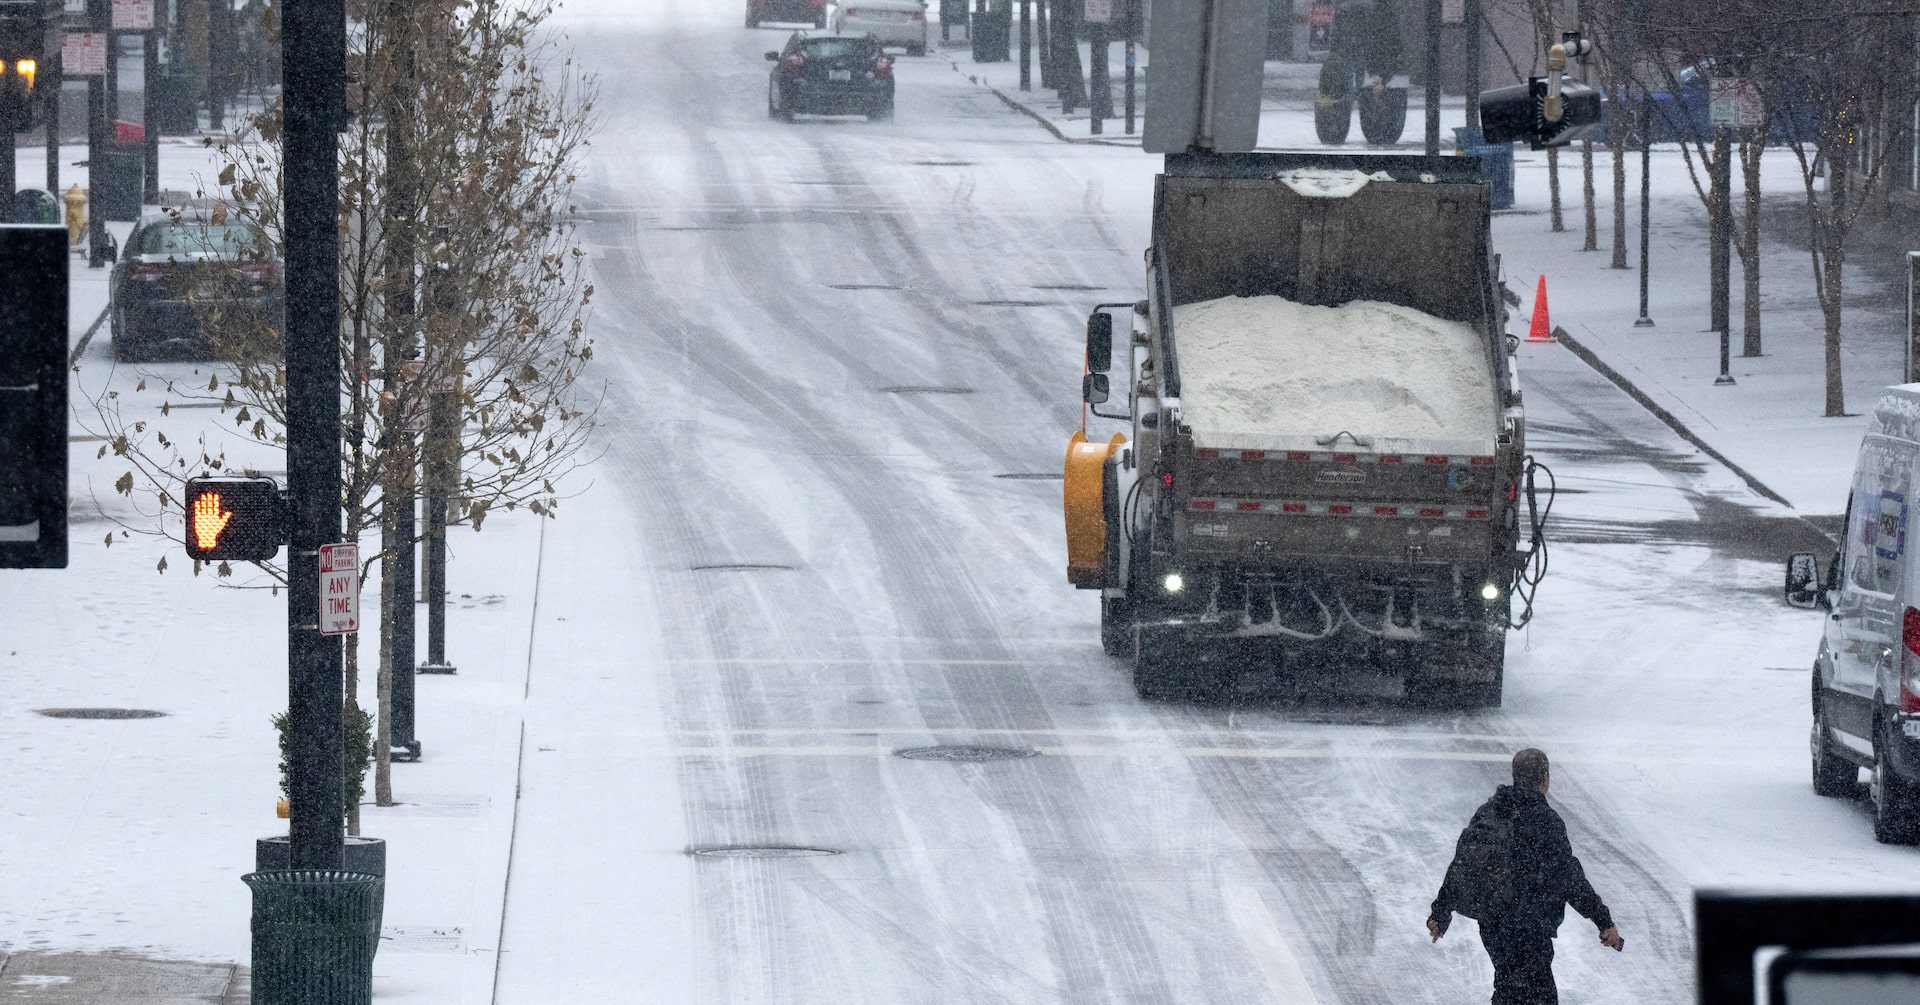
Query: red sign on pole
83, 54
132, 15
339, 589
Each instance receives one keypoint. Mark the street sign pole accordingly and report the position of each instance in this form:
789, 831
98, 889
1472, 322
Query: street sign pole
313, 52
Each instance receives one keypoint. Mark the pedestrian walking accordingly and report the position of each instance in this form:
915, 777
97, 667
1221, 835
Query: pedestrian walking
1514, 871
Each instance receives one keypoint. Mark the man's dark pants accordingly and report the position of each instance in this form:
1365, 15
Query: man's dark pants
1522, 965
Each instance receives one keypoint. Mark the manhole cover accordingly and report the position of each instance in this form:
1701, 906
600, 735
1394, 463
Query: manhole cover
966, 752
1033, 476
99, 713
1079, 287
944, 164
916, 389
762, 851
740, 567
1013, 303
864, 286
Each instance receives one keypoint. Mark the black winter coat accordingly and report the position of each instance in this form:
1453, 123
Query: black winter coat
1547, 876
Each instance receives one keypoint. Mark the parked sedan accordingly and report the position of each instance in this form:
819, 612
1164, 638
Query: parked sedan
194, 284
813, 12
831, 74
893, 22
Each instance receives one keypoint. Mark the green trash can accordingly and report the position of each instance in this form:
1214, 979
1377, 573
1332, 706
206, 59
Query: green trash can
114, 178
313, 935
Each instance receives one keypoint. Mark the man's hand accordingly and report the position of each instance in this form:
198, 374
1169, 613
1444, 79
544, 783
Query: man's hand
1433, 929
1611, 939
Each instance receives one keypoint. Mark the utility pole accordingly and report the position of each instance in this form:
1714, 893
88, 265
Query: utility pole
313, 51
1026, 45
1433, 78
1100, 82
1646, 202
219, 60
51, 109
398, 492
99, 18
1721, 252
1470, 28
442, 453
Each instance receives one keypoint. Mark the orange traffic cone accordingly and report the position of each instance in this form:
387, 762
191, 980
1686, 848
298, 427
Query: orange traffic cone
1542, 331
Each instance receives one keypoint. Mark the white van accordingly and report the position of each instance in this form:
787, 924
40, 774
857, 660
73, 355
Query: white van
1866, 678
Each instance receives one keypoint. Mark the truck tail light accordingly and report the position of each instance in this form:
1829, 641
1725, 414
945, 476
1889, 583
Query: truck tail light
147, 273
1909, 660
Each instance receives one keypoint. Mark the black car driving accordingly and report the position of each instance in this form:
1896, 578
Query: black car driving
195, 283
825, 73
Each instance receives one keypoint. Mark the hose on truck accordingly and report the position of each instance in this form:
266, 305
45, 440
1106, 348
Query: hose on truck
1526, 579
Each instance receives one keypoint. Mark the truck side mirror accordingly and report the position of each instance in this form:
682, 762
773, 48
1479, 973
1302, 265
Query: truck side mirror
773, 57
1803, 579
1093, 388
1100, 346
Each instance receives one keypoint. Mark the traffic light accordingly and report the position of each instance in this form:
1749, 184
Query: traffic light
33, 398
234, 519
1518, 113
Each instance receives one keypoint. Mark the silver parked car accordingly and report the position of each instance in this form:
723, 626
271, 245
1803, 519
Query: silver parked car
893, 22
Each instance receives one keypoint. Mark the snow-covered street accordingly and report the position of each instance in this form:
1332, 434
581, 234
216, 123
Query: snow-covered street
793, 703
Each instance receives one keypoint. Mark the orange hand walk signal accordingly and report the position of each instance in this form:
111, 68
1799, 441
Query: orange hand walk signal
234, 519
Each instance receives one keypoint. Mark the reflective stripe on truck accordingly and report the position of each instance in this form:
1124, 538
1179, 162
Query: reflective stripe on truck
1416, 511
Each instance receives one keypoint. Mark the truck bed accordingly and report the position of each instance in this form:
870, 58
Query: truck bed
1265, 373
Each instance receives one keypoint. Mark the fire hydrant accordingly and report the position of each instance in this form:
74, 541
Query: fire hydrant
76, 201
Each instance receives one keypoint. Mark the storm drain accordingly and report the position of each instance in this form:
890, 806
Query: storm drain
966, 753
740, 567
925, 389
1032, 476
761, 851
1013, 303
865, 286
99, 713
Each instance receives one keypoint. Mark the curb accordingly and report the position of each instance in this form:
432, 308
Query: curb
1588, 357
1045, 123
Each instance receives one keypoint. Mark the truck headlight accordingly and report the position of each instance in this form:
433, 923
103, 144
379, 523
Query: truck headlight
1174, 583
1489, 592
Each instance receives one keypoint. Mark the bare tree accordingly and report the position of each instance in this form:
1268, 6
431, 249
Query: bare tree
484, 200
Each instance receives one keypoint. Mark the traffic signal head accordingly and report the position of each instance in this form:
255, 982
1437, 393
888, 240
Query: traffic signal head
1518, 113
234, 519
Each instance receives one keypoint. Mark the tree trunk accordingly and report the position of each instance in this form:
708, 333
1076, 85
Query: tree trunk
1830, 309
1618, 150
1553, 189
1751, 149
1586, 193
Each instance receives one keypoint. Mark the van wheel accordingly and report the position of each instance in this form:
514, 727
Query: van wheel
1896, 817
1833, 775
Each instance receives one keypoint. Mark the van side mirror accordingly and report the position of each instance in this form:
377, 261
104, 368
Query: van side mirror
1099, 345
1093, 388
1803, 580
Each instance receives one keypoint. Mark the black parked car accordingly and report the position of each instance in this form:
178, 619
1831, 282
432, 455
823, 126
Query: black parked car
186, 271
831, 74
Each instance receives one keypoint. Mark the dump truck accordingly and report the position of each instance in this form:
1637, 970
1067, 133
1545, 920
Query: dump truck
1325, 445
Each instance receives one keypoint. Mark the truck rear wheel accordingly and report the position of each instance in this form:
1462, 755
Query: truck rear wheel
1896, 804
1116, 626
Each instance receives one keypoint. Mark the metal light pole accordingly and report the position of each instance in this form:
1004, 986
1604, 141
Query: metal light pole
313, 49
1722, 264
99, 15
1646, 201
1026, 45
1470, 27
51, 105
1433, 78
